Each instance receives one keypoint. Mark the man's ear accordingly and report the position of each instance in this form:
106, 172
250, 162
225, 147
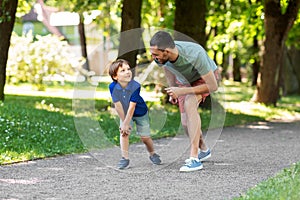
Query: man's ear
168, 50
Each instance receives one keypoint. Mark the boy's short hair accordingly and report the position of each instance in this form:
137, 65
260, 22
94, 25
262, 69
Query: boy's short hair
162, 40
113, 68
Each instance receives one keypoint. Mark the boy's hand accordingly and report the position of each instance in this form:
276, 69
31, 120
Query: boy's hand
125, 132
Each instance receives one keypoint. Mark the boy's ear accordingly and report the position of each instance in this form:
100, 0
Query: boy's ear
115, 77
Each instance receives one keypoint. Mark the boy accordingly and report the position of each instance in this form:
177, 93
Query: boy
130, 107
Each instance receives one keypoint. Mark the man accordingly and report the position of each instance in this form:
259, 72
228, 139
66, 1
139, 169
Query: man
191, 76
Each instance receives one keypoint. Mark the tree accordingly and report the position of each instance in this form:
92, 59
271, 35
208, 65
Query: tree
190, 20
278, 21
8, 10
78, 6
158, 13
130, 40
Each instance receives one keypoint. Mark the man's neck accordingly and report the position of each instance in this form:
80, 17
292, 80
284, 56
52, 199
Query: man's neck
173, 54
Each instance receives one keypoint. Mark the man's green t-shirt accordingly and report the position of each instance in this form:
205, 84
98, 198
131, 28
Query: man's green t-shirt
192, 62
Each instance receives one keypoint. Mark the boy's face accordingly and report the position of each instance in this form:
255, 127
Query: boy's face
124, 74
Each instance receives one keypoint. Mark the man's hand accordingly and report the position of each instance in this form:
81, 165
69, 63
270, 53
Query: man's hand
175, 92
173, 101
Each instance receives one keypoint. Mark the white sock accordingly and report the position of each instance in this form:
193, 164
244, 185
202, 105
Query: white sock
192, 158
204, 150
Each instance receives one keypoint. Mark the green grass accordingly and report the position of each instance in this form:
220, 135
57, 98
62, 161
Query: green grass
285, 185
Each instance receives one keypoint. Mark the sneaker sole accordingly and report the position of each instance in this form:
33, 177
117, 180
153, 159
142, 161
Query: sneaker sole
191, 169
156, 163
205, 158
123, 167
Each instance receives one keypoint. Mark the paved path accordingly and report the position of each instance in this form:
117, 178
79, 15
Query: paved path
242, 157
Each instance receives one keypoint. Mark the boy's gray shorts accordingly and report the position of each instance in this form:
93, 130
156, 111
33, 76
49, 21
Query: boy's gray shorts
142, 124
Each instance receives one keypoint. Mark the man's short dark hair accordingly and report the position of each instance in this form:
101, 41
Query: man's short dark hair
162, 40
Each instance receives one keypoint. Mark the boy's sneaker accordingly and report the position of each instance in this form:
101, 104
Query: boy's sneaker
155, 159
192, 164
123, 163
204, 155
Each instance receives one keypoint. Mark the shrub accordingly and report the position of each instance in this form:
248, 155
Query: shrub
31, 59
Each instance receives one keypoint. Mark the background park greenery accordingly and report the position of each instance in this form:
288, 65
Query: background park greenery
247, 39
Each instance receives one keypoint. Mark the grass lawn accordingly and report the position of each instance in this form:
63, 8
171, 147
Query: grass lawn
34, 127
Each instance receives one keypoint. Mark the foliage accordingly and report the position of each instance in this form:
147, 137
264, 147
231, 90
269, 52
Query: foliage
231, 28
294, 34
4, 14
158, 13
31, 60
107, 15
285, 185
24, 6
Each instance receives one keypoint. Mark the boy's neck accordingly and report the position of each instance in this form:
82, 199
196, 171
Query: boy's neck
123, 84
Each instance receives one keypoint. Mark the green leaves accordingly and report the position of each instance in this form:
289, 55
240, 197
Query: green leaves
32, 59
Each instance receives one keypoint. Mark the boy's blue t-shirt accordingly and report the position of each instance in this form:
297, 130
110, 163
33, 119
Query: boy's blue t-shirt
129, 94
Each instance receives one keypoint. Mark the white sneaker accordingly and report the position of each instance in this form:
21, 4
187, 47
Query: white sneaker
193, 164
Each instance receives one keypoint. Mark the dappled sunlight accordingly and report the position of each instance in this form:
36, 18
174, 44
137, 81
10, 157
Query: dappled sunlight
16, 157
259, 125
42, 105
30, 181
236, 91
257, 109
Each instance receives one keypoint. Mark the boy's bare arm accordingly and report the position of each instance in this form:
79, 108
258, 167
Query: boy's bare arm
129, 113
120, 111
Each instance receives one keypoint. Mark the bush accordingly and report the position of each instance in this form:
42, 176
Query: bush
31, 59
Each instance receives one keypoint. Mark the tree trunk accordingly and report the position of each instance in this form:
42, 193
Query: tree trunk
7, 19
190, 20
237, 69
277, 26
190, 23
256, 64
130, 36
291, 71
83, 42
294, 55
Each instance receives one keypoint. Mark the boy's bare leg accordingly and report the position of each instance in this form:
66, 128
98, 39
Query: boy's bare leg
149, 144
124, 143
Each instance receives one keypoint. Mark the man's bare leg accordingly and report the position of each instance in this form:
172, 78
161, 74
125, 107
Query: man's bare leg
202, 144
193, 123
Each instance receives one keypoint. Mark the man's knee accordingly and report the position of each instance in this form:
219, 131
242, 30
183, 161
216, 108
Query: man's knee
191, 102
183, 119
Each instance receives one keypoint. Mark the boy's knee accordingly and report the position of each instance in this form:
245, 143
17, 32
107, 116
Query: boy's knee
145, 138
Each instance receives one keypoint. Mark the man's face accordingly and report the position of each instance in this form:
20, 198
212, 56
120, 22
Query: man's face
159, 55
